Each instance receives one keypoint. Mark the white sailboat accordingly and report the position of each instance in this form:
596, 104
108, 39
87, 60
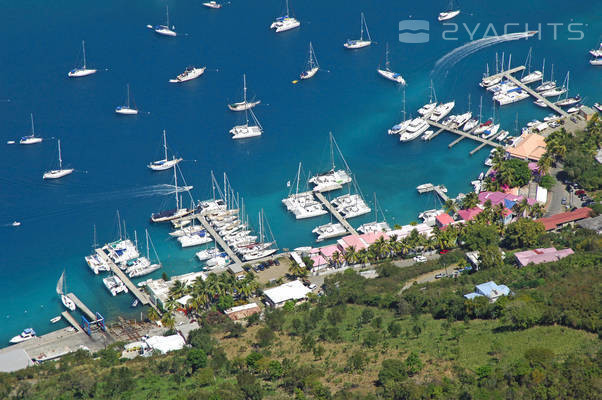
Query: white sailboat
531, 76
164, 30
429, 107
58, 173
568, 101
312, 66
127, 109
596, 52
399, 128
247, 130
84, 70
285, 23
60, 290
375, 226
262, 248
147, 267
212, 4
358, 44
449, 14
387, 73
165, 163
30, 139
333, 179
178, 212
189, 74
243, 105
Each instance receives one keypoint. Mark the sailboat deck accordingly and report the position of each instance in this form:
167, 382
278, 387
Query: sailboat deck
335, 213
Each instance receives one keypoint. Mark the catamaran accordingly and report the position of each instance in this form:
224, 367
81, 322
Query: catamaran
333, 179
126, 110
145, 266
84, 70
286, 22
30, 139
60, 290
177, 212
114, 285
189, 74
243, 105
358, 44
165, 163
375, 226
58, 173
246, 131
303, 205
329, 231
164, 30
449, 14
387, 73
312, 66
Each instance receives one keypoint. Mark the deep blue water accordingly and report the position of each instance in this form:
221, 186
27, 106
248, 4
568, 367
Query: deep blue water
41, 42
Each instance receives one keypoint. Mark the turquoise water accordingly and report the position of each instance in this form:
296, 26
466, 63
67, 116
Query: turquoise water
41, 43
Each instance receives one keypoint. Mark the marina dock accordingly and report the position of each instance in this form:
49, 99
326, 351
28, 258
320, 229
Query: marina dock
463, 135
439, 189
219, 239
141, 296
335, 213
83, 308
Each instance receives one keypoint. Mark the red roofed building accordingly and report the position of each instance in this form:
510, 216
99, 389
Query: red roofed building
469, 214
443, 220
567, 218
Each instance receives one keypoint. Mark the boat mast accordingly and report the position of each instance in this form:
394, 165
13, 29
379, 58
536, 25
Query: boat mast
147, 249
361, 26
165, 144
128, 90
136, 239
298, 179
33, 133
175, 178
366, 25
331, 150
287, 8
404, 103
60, 158
84, 51
244, 90
387, 57
119, 224
167, 13
481, 110
94, 244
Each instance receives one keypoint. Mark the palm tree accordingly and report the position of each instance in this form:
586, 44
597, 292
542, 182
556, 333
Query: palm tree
168, 320
153, 315
470, 200
521, 208
171, 304
498, 157
362, 257
537, 211
350, 255
178, 289
296, 270
544, 164
450, 206
336, 259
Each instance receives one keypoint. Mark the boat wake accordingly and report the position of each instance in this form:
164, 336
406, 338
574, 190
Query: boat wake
445, 63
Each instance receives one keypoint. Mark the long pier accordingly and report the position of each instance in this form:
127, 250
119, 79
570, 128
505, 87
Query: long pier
80, 304
219, 239
510, 71
463, 135
141, 296
69, 318
335, 213
537, 96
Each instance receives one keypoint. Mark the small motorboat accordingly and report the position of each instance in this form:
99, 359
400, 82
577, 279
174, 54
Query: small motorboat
27, 334
10, 142
16, 223
56, 319
135, 303
212, 4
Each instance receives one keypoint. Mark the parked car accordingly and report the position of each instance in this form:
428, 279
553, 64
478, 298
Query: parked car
444, 251
563, 201
313, 286
439, 276
420, 259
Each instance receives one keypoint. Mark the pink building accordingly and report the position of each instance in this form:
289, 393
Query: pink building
470, 213
444, 220
539, 256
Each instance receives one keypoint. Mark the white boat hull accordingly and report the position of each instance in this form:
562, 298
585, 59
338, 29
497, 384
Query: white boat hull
445, 16
81, 72
190, 75
309, 73
163, 165
392, 76
242, 106
165, 32
67, 302
30, 140
245, 131
126, 111
57, 173
357, 44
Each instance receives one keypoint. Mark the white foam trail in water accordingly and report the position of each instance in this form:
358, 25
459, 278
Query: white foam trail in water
458, 54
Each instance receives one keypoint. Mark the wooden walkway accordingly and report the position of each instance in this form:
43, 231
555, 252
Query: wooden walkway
335, 213
537, 95
219, 239
141, 296
510, 71
69, 318
463, 135
80, 304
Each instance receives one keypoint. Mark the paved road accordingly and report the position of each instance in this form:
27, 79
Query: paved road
557, 193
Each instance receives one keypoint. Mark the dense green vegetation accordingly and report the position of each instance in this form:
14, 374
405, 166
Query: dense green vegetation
369, 339
577, 153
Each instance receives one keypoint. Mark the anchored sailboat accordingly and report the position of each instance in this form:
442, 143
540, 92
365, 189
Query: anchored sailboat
30, 139
58, 173
387, 73
450, 13
358, 44
246, 131
165, 163
84, 70
127, 110
312, 66
243, 105
164, 30
60, 290
286, 22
